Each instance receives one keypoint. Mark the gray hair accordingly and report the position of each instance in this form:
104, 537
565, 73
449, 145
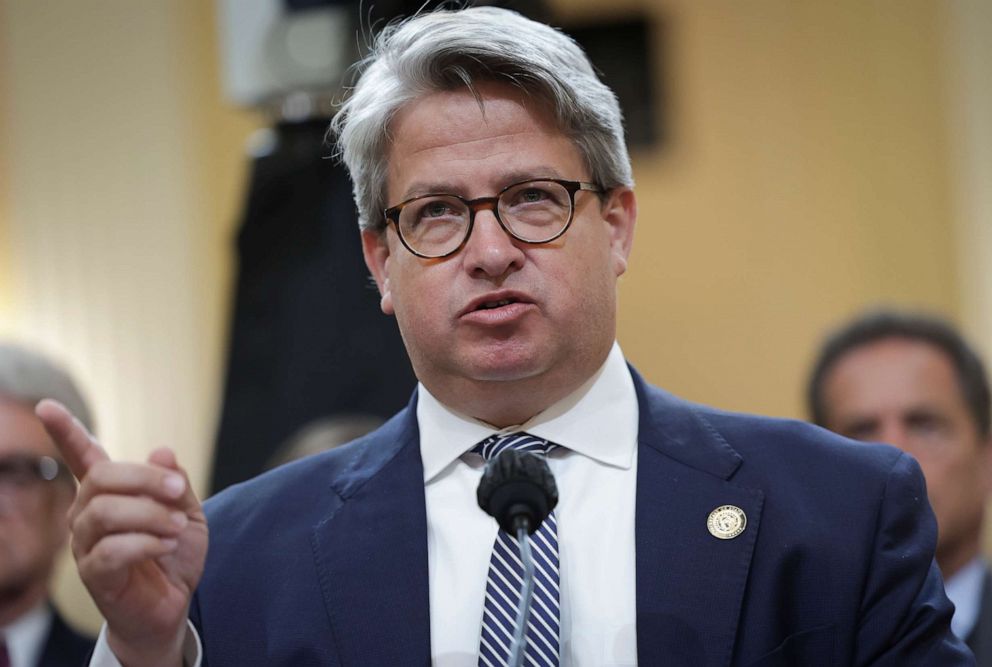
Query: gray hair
27, 377
444, 50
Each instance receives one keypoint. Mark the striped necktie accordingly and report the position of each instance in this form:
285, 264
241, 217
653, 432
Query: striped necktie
506, 577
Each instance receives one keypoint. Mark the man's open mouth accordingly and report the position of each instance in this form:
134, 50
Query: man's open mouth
489, 305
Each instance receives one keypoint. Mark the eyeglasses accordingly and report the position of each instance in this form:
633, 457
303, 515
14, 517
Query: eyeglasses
438, 225
20, 471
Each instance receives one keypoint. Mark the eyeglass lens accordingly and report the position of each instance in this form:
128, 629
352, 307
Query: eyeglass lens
19, 471
535, 211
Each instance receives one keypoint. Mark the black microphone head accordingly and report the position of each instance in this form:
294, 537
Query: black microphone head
518, 484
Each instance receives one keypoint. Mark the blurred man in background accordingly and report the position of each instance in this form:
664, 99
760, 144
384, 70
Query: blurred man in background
912, 381
36, 491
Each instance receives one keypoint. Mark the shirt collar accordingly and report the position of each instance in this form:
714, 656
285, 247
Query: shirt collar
27, 634
598, 420
965, 590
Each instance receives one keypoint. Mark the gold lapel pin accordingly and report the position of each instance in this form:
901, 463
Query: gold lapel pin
726, 522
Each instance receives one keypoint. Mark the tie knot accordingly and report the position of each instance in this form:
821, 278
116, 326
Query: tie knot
520, 441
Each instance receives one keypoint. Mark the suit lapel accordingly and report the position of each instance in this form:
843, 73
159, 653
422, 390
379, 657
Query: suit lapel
690, 584
371, 552
371, 549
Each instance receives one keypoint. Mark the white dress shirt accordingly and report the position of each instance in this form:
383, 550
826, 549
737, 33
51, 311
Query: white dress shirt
595, 469
26, 636
965, 590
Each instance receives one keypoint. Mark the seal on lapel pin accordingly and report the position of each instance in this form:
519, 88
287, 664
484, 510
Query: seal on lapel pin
726, 522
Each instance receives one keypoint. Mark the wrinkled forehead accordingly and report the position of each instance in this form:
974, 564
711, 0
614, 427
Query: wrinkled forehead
474, 123
463, 107
896, 375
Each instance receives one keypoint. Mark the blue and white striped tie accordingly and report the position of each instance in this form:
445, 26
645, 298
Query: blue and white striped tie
506, 576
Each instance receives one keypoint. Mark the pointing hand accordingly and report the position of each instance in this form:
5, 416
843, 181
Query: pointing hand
139, 537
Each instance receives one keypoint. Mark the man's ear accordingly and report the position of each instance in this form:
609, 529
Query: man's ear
620, 213
376, 251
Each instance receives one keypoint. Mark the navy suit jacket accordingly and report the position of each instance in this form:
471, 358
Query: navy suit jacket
64, 647
324, 561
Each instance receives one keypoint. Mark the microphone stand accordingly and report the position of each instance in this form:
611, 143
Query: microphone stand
519, 643
519, 491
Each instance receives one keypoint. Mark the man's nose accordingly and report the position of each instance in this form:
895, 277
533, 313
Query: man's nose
894, 433
490, 250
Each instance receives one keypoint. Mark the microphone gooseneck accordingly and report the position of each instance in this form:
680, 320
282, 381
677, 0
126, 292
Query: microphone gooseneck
519, 491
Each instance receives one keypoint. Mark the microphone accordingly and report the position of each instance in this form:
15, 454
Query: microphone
519, 491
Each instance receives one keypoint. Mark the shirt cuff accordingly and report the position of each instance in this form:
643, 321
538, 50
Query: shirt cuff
104, 657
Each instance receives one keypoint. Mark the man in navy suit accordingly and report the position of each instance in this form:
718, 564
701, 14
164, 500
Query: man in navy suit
35, 493
911, 380
497, 212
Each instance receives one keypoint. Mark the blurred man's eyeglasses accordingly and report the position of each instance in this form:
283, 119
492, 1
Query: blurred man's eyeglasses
21, 471
535, 211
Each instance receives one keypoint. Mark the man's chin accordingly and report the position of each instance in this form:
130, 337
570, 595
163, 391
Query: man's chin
506, 365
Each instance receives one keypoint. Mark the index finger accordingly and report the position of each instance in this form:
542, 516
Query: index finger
79, 449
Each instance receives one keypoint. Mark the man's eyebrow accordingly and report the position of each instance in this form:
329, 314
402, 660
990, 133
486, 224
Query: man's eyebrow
856, 423
421, 188
533, 174
918, 412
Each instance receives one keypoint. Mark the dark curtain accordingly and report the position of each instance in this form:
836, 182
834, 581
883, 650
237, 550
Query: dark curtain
307, 339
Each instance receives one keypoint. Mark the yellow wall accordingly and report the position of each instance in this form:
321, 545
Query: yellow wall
6, 272
122, 174
806, 174
806, 177
970, 111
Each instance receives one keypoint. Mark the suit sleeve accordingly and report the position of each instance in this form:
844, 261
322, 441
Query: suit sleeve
905, 615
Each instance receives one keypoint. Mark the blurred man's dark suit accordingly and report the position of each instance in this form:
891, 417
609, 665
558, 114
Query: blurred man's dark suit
65, 647
980, 638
